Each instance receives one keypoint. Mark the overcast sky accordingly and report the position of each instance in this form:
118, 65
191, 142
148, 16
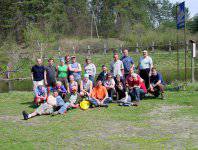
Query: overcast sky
191, 4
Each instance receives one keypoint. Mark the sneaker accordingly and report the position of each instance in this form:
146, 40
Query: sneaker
25, 115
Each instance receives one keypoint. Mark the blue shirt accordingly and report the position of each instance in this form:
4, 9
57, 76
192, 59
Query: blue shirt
127, 62
40, 91
62, 88
145, 63
155, 78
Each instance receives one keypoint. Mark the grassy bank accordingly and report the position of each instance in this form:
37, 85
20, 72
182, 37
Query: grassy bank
155, 124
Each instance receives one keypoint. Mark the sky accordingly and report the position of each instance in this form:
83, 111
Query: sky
191, 4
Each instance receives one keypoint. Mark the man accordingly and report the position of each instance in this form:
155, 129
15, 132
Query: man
117, 67
156, 83
127, 62
37, 73
90, 69
99, 95
50, 75
47, 108
75, 69
136, 86
144, 67
103, 74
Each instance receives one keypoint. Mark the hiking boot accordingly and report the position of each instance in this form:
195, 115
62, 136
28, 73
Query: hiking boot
162, 96
25, 115
55, 113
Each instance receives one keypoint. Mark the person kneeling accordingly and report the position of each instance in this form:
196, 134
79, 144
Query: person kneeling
47, 108
156, 83
99, 95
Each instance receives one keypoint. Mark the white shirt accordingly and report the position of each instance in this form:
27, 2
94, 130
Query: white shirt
116, 67
145, 62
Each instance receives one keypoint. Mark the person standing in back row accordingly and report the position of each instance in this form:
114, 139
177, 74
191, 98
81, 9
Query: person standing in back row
90, 69
50, 75
38, 74
117, 67
127, 62
144, 68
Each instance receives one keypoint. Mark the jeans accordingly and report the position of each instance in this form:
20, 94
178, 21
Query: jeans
95, 103
136, 94
63, 106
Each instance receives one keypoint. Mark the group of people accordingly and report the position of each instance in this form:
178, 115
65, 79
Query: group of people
125, 83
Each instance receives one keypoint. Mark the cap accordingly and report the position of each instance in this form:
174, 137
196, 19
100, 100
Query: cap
86, 76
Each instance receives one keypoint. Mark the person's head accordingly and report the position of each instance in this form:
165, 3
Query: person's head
73, 59
39, 61
134, 76
131, 71
104, 68
67, 58
99, 83
125, 52
71, 78
86, 77
40, 86
145, 53
55, 93
62, 61
154, 71
88, 60
109, 76
58, 83
115, 56
50, 61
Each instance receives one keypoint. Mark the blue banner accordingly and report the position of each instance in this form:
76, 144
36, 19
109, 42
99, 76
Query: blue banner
181, 15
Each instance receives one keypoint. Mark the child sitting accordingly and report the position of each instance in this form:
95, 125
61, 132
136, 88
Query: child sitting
40, 94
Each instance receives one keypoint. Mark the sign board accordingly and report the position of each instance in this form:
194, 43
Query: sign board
194, 50
181, 15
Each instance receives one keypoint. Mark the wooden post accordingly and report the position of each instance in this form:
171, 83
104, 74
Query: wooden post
105, 48
73, 50
169, 47
193, 55
137, 48
121, 46
88, 50
153, 47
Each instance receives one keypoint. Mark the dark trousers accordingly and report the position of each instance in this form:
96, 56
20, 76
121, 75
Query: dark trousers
136, 94
144, 74
157, 90
94, 102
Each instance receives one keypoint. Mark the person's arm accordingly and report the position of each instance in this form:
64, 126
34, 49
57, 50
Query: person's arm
45, 77
94, 70
68, 91
111, 67
79, 68
81, 86
63, 90
56, 71
106, 96
32, 70
151, 63
122, 68
90, 88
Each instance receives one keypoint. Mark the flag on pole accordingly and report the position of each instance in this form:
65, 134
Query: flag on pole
181, 15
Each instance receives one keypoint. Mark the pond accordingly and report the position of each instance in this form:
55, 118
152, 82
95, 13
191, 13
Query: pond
22, 85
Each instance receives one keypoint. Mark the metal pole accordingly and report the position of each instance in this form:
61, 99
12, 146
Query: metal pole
178, 71
185, 44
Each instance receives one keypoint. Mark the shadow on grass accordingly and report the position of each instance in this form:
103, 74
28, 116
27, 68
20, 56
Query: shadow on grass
31, 104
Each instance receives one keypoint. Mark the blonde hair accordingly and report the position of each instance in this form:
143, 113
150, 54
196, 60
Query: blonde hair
59, 82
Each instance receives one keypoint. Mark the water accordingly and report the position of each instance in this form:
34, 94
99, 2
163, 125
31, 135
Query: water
22, 85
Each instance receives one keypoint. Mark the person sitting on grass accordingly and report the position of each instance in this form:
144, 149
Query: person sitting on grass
120, 87
99, 95
156, 83
47, 108
109, 83
40, 94
136, 86
86, 86
61, 89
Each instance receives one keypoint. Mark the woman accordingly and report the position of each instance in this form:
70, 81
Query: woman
90, 69
109, 83
120, 87
62, 72
86, 86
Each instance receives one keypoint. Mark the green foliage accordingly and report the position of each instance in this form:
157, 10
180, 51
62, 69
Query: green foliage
193, 25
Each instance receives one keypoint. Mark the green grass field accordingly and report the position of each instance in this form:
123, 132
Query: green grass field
155, 124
